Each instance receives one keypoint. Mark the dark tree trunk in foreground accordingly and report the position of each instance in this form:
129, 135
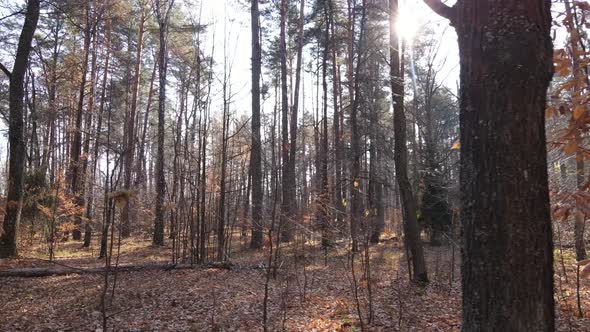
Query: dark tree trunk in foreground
411, 230
16, 164
506, 65
255, 153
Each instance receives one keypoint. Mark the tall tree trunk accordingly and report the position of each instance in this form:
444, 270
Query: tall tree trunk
337, 129
577, 89
356, 153
376, 190
130, 125
285, 222
256, 150
323, 197
411, 230
88, 126
141, 175
16, 163
49, 149
162, 15
76, 176
291, 177
221, 217
506, 65
34, 153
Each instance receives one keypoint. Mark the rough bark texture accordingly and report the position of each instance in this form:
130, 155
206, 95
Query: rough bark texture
223, 173
130, 125
290, 174
355, 169
255, 153
339, 208
411, 230
506, 65
162, 16
286, 225
16, 163
89, 129
375, 192
324, 194
577, 89
76, 175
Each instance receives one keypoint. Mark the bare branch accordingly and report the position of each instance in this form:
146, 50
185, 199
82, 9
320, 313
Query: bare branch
11, 15
5, 70
441, 9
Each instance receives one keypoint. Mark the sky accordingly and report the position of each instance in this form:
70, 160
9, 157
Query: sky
415, 14
236, 32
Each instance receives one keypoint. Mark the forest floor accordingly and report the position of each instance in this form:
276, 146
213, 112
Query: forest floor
311, 292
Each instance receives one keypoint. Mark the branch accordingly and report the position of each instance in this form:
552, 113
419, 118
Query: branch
441, 9
5, 70
13, 14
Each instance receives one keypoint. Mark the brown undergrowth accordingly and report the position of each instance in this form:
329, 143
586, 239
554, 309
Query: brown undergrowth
306, 295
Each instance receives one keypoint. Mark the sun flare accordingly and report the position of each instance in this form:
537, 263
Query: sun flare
407, 24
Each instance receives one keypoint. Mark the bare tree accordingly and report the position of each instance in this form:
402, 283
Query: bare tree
16, 163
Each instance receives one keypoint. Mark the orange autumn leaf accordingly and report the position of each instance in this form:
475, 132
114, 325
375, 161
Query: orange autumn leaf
579, 111
570, 147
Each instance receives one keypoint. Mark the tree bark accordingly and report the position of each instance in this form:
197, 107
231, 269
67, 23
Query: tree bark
88, 126
506, 65
411, 230
356, 204
579, 217
76, 177
130, 125
339, 207
285, 217
162, 15
16, 163
221, 217
323, 195
38, 272
255, 152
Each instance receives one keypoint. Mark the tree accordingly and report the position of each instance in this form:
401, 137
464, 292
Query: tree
506, 65
130, 125
577, 99
285, 226
255, 152
323, 195
16, 140
354, 87
162, 15
411, 231
435, 111
76, 177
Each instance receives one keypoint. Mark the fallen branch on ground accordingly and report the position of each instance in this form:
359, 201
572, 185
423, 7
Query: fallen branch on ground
35, 272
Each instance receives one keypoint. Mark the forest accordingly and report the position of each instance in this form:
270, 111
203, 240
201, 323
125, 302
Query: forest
294, 165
